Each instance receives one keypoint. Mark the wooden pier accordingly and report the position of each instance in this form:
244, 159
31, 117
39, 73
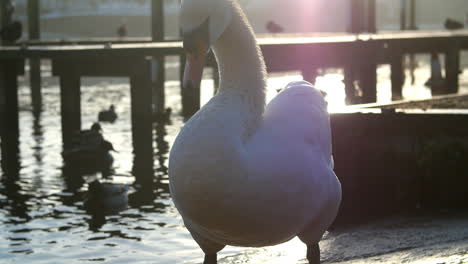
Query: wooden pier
357, 54
405, 160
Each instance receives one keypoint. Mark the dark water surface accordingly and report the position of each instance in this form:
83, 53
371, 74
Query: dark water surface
42, 214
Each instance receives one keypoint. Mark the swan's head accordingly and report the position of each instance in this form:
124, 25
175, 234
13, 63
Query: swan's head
202, 23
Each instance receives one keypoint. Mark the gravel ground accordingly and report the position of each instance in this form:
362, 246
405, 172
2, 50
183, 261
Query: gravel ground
417, 238
438, 238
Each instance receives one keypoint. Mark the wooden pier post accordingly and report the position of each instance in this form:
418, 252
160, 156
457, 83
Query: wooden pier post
452, 67
412, 15
310, 73
371, 25
190, 95
350, 89
9, 92
157, 82
157, 35
9, 118
368, 74
34, 63
403, 14
2, 17
412, 26
350, 71
35, 83
157, 20
182, 59
142, 127
369, 82
70, 102
182, 62
397, 75
5, 16
362, 16
357, 11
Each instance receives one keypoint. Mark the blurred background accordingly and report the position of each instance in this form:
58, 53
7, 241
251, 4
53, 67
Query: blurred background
97, 18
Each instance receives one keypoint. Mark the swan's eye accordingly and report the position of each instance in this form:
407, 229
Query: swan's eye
192, 39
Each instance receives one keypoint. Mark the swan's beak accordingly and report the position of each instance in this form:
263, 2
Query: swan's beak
195, 61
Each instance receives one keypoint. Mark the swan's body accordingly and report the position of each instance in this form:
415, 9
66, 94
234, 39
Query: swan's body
244, 175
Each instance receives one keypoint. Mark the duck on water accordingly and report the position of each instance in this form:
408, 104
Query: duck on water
240, 173
103, 199
108, 115
90, 152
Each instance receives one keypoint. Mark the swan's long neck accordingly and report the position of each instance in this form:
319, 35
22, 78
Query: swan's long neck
241, 65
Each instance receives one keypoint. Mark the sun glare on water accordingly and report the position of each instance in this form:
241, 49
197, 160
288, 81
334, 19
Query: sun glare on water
331, 83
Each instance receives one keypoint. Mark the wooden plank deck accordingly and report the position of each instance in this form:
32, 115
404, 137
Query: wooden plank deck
281, 38
282, 52
407, 38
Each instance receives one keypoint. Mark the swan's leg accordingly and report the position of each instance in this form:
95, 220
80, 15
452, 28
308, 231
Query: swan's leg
210, 259
313, 253
209, 247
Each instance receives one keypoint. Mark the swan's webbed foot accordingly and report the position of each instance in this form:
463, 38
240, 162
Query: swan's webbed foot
210, 259
313, 253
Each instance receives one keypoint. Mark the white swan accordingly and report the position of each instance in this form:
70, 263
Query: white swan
241, 174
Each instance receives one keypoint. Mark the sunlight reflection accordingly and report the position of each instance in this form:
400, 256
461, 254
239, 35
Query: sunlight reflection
331, 81
333, 85
207, 92
293, 251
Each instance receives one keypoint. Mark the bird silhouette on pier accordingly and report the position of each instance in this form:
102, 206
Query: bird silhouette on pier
273, 27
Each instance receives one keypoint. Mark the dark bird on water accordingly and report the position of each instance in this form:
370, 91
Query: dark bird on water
164, 116
273, 27
104, 199
453, 24
11, 32
107, 198
108, 115
90, 152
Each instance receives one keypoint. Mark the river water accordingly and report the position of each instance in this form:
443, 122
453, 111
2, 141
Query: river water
42, 214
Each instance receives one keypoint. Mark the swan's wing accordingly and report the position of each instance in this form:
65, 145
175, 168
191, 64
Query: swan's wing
299, 113
290, 163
